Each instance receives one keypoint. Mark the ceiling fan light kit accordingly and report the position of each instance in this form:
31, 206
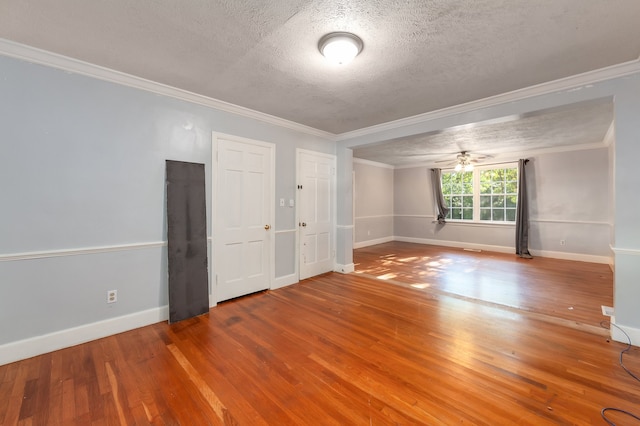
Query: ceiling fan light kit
464, 162
462, 165
340, 47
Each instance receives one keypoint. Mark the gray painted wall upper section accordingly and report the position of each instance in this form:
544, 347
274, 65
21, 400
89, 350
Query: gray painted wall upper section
83, 167
570, 186
373, 202
569, 199
374, 190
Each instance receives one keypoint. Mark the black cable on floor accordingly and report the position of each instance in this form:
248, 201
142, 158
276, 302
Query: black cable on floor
604, 416
625, 350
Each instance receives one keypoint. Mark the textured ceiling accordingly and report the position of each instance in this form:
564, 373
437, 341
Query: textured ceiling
419, 55
584, 124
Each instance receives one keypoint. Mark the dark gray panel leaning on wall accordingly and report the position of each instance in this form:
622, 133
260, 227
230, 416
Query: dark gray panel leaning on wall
187, 237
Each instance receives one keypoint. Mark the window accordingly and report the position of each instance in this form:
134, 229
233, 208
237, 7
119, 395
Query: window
486, 194
457, 188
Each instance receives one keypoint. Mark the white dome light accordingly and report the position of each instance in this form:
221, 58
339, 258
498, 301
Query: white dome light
340, 47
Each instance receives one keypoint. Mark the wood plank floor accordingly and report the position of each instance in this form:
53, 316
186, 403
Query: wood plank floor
557, 289
334, 349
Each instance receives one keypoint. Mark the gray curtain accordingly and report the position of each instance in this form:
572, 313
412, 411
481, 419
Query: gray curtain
436, 176
522, 214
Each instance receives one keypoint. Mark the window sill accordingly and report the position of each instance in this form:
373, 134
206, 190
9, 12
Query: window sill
480, 224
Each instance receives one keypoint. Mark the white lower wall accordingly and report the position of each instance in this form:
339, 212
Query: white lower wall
33, 346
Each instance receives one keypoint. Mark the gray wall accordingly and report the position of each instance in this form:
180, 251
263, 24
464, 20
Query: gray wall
624, 86
373, 202
82, 182
569, 197
415, 215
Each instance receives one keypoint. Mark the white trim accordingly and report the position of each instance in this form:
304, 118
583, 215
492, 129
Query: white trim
284, 281
504, 249
478, 224
618, 336
419, 216
33, 346
543, 151
456, 244
79, 251
375, 217
42, 57
610, 136
344, 226
564, 84
65, 63
629, 252
373, 242
511, 157
490, 224
344, 269
285, 231
574, 222
580, 257
373, 163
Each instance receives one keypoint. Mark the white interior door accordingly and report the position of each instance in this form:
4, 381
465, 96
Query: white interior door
316, 174
243, 218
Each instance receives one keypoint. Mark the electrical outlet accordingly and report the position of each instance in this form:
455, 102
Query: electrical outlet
112, 296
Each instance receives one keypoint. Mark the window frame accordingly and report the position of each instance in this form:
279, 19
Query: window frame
476, 193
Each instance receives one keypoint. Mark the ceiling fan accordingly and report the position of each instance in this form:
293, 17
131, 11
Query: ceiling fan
464, 161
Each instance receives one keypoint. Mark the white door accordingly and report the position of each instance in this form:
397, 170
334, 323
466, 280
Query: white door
243, 217
315, 212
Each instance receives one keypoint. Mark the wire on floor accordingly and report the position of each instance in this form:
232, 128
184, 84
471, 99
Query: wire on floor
625, 350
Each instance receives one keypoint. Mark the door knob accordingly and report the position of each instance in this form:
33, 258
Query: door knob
304, 224
267, 227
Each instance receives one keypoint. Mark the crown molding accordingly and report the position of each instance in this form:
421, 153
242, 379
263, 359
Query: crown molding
372, 163
514, 156
567, 83
38, 56
75, 66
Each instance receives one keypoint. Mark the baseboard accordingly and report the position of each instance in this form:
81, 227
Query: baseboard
573, 256
344, 269
457, 244
503, 249
284, 281
27, 348
618, 336
368, 243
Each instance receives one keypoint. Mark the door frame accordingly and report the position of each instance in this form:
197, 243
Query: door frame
334, 207
215, 136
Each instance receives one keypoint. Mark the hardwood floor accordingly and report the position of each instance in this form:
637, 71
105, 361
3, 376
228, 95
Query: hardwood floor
552, 288
334, 349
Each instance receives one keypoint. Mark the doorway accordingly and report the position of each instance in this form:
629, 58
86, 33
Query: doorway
243, 216
316, 189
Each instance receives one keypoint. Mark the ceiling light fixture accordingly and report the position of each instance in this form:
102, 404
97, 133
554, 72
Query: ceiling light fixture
464, 162
340, 47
